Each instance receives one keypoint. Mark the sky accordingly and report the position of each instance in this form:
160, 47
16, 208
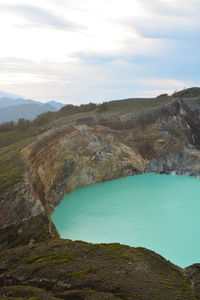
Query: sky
81, 51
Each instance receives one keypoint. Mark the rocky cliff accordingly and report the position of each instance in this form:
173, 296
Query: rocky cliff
159, 135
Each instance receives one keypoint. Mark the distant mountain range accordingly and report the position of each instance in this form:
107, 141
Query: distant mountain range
13, 107
9, 95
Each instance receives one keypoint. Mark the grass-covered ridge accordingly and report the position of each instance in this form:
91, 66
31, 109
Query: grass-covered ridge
188, 93
136, 105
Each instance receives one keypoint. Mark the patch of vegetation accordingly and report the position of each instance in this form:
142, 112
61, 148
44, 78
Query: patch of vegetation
82, 273
59, 257
12, 165
126, 256
33, 259
102, 107
162, 95
186, 288
56, 245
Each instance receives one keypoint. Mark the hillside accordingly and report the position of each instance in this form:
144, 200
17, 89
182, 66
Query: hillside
189, 93
73, 147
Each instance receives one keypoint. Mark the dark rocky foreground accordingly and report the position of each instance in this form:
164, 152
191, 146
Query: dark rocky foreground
78, 270
159, 135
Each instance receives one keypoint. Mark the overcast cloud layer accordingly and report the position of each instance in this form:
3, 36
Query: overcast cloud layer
78, 51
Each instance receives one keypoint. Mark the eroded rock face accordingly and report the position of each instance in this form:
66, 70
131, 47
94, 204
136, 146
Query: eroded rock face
71, 156
80, 156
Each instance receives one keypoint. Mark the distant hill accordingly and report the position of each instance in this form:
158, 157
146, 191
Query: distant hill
8, 101
13, 107
27, 111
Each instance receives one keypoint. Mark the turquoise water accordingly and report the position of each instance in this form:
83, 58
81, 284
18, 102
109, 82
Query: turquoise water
159, 212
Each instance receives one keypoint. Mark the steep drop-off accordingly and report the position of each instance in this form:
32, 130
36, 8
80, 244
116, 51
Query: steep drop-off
131, 136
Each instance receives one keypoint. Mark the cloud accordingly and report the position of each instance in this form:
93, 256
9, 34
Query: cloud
91, 58
122, 52
165, 19
161, 82
172, 8
165, 27
134, 49
40, 17
77, 83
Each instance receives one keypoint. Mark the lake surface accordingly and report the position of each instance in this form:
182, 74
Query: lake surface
158, 212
